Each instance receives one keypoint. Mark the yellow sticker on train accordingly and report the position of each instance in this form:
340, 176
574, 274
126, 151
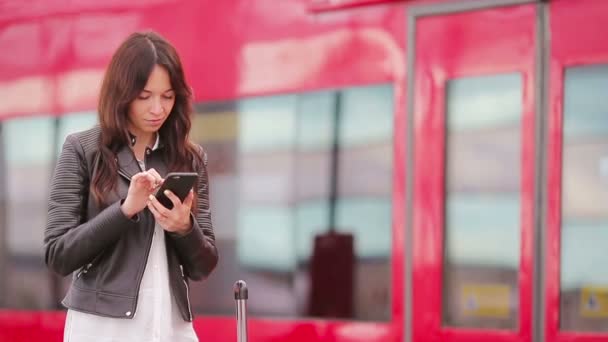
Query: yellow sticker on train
491, 300
594, 302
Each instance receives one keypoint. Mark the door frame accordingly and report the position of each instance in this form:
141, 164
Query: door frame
541, 91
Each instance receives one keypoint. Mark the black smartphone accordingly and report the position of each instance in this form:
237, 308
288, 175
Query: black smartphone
178, 183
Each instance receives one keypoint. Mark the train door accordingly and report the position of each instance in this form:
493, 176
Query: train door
577, 173
473, 157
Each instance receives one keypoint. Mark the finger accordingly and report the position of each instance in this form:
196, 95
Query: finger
155, 212
158, 206
156, 175
152, 182
137, 177
170, 195
140, 180
189, 199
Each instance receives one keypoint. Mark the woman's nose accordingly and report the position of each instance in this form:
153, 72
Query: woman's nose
157, 106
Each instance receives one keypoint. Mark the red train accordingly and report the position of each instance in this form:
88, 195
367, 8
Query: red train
380, 170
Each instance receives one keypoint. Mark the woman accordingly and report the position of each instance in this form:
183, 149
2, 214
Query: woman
131, 258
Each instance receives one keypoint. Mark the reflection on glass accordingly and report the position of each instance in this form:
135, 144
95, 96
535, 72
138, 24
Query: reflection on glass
482, 202
28, 145
270, 177
71, 123
584, 284
274, 204
3, 223
27, 152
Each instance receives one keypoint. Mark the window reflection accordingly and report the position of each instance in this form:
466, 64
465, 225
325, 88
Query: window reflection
270, 178
278, 202
71, 123
482, 201
28, 147
584, 286
28, 150
3, 221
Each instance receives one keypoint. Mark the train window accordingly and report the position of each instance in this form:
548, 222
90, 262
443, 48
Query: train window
28, 153
3, 221
584, 286
28, 150
482, 201
71, 123
276, 208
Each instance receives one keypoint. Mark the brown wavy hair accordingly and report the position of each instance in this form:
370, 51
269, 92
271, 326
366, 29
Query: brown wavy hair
125, 78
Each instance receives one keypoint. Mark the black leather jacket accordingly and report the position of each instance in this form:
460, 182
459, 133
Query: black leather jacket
107, 252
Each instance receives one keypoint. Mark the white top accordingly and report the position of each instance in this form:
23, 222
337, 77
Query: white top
157, 317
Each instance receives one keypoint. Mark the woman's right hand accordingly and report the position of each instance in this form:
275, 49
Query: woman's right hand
143, 184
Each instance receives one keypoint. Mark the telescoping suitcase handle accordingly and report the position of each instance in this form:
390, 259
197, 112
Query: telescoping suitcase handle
240, 295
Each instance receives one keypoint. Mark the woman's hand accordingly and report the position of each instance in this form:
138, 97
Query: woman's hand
142, 185
176, 220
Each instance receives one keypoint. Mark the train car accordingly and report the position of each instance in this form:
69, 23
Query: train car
380, 170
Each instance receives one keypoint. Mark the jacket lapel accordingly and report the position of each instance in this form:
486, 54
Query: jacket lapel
157, 163
127, 164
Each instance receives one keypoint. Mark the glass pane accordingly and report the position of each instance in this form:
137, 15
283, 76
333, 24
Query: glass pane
4, 255
584, 284
29, 148
482, 202
271, 205
72, 123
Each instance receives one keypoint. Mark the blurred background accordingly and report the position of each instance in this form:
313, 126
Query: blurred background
379, 170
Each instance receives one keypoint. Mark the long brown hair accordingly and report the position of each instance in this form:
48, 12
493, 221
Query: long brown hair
125, 78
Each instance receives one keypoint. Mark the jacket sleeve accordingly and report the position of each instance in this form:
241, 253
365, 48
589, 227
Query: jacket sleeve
70, 243
197, 250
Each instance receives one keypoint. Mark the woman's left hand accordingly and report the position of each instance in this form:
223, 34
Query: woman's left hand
176, 220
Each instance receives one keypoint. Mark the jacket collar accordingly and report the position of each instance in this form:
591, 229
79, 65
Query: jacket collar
128, 165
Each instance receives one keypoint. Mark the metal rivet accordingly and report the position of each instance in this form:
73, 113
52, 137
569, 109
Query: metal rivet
128, 313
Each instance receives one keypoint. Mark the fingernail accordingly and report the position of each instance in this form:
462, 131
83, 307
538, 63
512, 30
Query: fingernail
151, 197
166, 192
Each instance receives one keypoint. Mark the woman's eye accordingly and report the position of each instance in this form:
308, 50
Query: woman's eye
168, 97
143, 97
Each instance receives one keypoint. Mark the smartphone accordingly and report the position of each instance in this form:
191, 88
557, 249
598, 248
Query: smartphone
178, 183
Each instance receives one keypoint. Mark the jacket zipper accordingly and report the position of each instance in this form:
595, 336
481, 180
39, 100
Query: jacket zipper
181, 268
124, 174
84, 270
141, 274
148, 246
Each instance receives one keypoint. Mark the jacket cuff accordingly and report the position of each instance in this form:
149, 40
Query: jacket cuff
191, 241
134, 218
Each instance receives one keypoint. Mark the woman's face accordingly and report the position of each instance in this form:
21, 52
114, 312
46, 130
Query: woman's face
152, 106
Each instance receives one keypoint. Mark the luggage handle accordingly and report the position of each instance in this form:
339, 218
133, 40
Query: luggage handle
241, 294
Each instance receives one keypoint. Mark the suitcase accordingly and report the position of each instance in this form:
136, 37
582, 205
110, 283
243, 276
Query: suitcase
332, 276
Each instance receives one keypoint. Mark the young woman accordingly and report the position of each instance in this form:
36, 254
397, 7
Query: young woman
131, 258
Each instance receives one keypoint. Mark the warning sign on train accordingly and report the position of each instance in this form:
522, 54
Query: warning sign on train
489, 300
594, 302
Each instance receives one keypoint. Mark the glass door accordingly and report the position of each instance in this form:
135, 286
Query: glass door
576, 295
473, 187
